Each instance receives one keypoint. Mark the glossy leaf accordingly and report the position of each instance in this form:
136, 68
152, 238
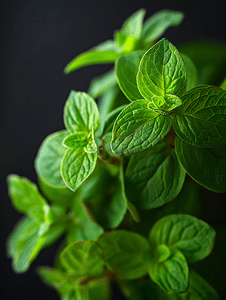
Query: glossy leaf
84, 259
125, 253
80, 113
48, 159
172, 273
137, 128
158, 23
76, 140
153, 177
126, 71
207, 166
201, 120
76, 166
193, 237
162, 71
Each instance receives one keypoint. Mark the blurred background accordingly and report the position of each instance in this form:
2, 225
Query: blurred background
38, 38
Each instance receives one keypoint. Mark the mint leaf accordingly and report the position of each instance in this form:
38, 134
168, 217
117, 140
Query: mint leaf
48, 159
125, 253
171, 274
158, 23
153, 177
76, 140
192, 73
126, 71
193, 237
91, 146
162, 71
84, 259
80, 113
201, 120
138, 128
76, 166
207, 166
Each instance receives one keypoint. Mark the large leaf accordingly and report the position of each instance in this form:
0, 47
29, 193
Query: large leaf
161, 72
126, 71
138, 128
48, 159
193, 237
80, 113
125, 253
207, 166
153, 177
76, 166
158, 23
201, 120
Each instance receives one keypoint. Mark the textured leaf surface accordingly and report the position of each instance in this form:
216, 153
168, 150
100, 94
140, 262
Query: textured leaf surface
162, 71
80, 113
207, 166
126, 71
76, 166
153, 177
125, 253
138, 128
76, 140
193, 237
171, 274
156, 25
83, 258
201, 120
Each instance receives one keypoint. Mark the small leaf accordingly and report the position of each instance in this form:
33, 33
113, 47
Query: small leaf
80, 113
91, 146
153, 177
125, 253
162, 71
76, 166
137, 128
207, 166
201, 120
158, 23
84, 259
126, 71
76, 140
193, 237
171, 274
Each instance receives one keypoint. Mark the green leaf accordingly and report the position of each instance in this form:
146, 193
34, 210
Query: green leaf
201, 120
99, 85
172, 273
48, 160
103, 53
126, 71
158, 23
76, 166
223, 85
207, 166
192, 73
76, 140
80, 113
91, 146
162, 71
137, 128
147, 180
84, 259
193, 237
125, 253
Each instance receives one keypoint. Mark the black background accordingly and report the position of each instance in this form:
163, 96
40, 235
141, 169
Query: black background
38, 38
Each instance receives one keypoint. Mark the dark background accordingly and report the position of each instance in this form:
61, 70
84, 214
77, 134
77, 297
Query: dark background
38, 38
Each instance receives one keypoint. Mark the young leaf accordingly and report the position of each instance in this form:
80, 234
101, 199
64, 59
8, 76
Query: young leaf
201, 120
126, 71
162, 71
76, 140
125, 253
76, 166
80, 113
158, 23
207, 166
91, 146
48, 159
137, 128
84, 259
153, 177
170, 274
193, 237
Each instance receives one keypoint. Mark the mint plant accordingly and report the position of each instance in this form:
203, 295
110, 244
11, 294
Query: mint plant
113, 182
